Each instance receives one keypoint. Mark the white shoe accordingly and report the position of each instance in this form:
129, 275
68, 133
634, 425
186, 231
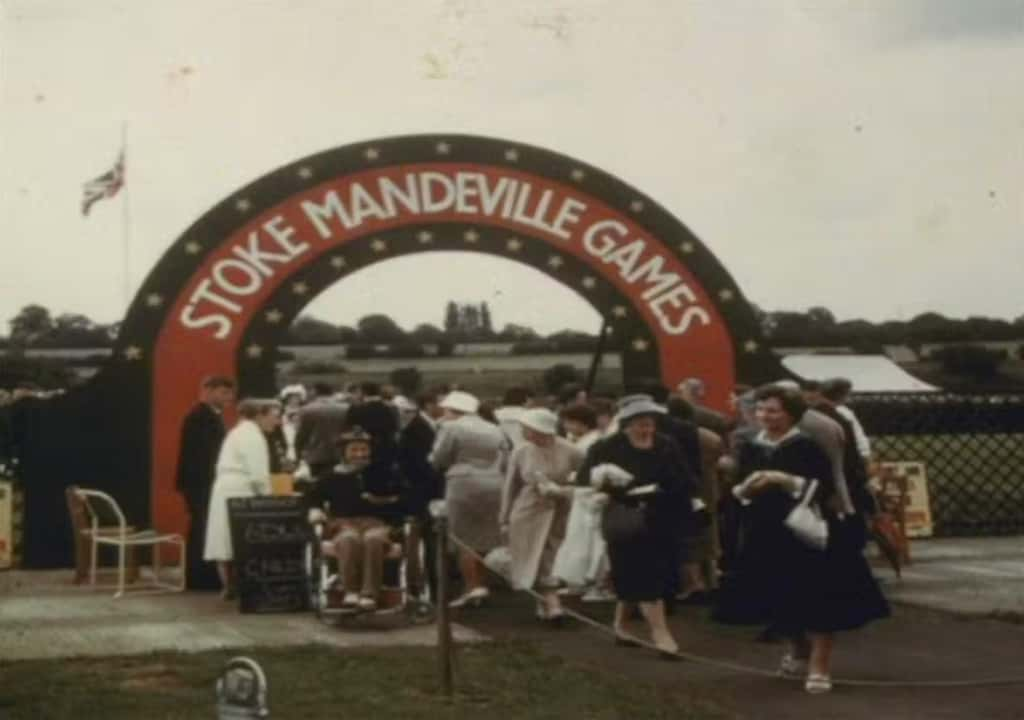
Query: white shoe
792, 667
474, 598
596, 595
818, 684
367, 603
350, 600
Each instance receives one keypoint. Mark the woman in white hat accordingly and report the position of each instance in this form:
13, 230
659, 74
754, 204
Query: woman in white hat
535, 505
649, 485
471, 453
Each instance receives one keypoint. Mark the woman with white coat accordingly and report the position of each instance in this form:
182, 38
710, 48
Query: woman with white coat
243, 470
535, 505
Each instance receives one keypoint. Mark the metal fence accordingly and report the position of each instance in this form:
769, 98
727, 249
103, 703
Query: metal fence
972, 447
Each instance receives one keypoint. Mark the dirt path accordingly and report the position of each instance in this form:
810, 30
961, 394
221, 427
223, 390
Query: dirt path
913, 645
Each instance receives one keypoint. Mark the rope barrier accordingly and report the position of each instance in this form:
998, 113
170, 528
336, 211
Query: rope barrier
756, 671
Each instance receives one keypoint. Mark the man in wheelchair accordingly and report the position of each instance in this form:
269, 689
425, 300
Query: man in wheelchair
365, 504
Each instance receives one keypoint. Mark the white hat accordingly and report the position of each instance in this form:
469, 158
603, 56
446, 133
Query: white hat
540, 420
638, 407
460, 401
788, 384
294, 390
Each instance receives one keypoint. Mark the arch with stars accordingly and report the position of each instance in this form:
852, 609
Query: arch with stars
166, 364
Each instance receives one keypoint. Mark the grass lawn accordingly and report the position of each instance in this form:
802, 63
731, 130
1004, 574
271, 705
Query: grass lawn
494, 681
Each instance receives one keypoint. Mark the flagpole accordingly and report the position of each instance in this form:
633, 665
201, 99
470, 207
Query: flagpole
126, 219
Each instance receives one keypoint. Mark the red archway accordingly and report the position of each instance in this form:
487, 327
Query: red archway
244, 270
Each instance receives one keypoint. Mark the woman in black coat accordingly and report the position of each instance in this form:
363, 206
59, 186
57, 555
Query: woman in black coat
649, 486
805, 594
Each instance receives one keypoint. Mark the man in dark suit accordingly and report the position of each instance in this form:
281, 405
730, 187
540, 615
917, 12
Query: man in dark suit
321, 423
377, 417
415, 441
201, 436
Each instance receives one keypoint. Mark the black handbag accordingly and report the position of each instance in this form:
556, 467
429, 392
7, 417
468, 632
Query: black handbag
623, 522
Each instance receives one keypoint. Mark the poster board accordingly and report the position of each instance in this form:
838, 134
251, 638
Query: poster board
269, 536
917, 505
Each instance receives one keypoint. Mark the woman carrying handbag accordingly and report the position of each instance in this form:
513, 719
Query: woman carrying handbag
649, 487
800, 568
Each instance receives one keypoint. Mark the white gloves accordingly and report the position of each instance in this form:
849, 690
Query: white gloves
607, 474
302, 472
316, 516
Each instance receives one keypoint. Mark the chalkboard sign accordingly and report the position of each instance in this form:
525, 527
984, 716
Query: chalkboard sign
269, 535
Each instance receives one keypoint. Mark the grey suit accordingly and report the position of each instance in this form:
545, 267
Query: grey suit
830, 437
316, 440
471, 452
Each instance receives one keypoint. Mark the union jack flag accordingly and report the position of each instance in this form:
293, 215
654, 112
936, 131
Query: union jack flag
105, 186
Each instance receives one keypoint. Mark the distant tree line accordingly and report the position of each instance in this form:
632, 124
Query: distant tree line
819, 327
36, 327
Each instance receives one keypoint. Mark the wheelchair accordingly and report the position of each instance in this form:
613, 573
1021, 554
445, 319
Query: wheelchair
394, 602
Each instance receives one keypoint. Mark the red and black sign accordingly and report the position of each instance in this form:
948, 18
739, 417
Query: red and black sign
222, 297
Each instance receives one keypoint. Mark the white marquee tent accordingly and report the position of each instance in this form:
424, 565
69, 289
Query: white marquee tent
868, 373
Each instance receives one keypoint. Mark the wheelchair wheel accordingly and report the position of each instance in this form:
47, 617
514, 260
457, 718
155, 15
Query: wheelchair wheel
313, 561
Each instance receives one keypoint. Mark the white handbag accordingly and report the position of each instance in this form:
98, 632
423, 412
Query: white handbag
805, 521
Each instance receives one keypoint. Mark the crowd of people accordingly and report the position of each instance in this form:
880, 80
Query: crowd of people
647, 500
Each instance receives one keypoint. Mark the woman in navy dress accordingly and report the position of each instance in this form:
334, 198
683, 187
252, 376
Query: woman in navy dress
649, 488
803, 593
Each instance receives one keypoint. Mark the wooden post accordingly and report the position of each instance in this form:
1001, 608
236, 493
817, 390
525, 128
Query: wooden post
444, 627
595, 361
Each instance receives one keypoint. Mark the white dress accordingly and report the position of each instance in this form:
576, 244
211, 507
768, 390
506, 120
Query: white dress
582, 558
243, 470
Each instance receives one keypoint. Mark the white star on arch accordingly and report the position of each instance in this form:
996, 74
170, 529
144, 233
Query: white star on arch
640, 344
471, 236
154, 300
338, 262
132, 352
620, 311
243, 204
300, 288
750, 346
514, 244
305, 172
443, 148
577, 174
589, 282
425, 237
371, 153
636, 205
192, 248
274, 316
555, 261
254, 351
725, 294
687, 247
512, 155
378, 245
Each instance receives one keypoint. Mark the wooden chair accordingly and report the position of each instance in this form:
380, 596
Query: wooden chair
125, 540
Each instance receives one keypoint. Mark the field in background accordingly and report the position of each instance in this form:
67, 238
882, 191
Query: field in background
485, 376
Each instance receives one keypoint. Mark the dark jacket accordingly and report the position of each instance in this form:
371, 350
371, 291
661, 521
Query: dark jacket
202, 434
377, 418
350, 492
415, 442
663, 465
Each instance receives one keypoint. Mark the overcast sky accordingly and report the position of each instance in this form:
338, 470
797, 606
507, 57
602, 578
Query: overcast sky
865, 155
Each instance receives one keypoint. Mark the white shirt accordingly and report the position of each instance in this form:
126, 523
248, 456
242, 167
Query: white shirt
861, 437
